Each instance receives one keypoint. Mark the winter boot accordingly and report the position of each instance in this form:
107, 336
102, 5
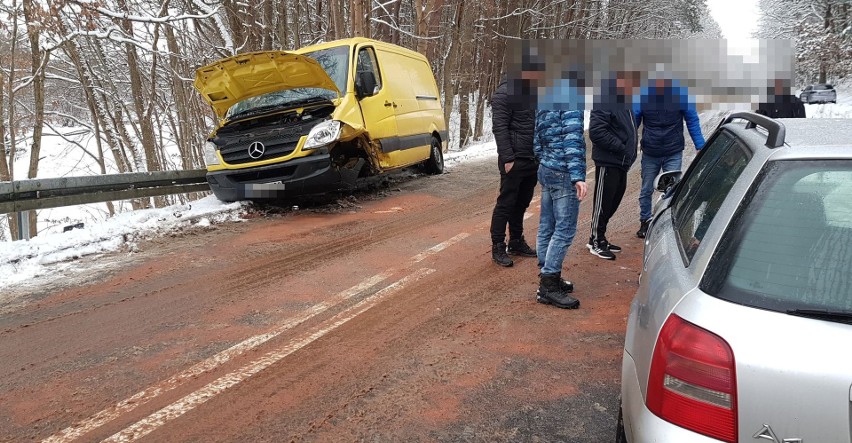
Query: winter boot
519, 246
550, 293
643, 228
498, 254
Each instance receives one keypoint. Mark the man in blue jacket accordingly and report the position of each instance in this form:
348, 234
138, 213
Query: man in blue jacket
663, 108
560, 148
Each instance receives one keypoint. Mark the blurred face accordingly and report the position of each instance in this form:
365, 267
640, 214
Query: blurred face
625, 84
532, 75
779, 87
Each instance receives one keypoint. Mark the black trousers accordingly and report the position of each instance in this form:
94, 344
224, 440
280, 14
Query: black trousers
516, 192
610, 184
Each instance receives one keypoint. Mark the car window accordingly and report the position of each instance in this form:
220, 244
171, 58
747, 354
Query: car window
702, 199
792, 247
367, 63
820, 87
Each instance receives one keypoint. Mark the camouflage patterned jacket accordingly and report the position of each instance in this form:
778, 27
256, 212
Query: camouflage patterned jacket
559, 143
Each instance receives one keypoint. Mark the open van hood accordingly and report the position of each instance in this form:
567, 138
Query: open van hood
233, 79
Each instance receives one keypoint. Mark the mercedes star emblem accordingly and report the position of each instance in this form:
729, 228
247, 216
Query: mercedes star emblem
256, 150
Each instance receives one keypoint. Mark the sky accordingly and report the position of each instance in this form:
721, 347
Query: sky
737, 18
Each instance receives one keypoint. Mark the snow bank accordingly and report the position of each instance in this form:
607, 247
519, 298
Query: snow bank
23, 260
473, 152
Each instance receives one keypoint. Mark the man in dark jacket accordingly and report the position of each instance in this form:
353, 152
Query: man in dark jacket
512, 124
782, 104
614, 146
663, 108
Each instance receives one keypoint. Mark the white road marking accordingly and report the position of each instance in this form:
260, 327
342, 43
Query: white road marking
186, 404
143, 397
439, 247
211, 363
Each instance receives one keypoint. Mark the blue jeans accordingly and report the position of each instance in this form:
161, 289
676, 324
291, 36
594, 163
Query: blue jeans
651, 168
559, 208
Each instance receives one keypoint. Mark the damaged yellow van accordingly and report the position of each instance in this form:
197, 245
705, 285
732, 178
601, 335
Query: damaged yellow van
317, 119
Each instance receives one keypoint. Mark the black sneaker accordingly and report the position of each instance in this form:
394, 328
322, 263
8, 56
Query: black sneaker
498, 254
611, 247
521, 248
600, 249
643, 228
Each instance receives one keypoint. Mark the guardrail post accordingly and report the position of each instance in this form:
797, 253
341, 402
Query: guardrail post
23, 225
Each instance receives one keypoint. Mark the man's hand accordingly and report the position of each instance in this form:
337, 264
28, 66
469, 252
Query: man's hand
508, 166
581, 190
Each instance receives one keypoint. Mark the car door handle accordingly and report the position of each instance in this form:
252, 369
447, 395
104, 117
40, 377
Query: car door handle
388, 104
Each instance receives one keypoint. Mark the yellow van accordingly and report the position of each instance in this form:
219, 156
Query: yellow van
316, 119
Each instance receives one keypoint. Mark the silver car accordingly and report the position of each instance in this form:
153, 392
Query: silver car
741, 329
820, 93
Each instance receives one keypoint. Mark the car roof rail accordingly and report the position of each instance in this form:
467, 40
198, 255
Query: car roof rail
776, 129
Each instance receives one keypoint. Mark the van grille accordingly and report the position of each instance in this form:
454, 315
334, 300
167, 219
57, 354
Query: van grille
278, 141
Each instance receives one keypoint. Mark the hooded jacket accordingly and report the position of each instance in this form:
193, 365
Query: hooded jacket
612, 131
512, 125
560, 144
663, 112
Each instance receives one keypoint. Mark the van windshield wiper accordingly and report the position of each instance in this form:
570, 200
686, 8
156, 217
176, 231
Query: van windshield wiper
284, 105
823, 314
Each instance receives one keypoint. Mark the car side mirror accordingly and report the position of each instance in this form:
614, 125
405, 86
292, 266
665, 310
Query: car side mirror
365, 84
667, 180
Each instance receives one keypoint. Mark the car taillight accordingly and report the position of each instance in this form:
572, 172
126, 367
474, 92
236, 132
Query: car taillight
693, 381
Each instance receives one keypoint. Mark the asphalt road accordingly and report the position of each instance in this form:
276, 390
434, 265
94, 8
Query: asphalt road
376, 318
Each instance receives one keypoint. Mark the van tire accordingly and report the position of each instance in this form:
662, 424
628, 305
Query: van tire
435, 164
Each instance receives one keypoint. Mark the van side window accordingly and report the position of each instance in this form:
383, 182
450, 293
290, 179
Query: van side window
367, 63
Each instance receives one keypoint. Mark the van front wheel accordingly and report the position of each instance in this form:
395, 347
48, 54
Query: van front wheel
435, 164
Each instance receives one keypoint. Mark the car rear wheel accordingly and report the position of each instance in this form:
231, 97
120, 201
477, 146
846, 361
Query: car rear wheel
435, 164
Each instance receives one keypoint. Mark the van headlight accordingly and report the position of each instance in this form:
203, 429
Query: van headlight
323, 134
210, 157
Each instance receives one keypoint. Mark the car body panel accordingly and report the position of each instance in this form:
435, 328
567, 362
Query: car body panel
784, 378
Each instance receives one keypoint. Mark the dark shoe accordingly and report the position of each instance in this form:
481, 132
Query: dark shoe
610, 246
498, 254
520, 247
600, 249
643, 228
565, 286
550, 293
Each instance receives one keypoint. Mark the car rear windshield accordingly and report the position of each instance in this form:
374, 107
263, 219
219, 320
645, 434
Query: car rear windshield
790, 244
823, 87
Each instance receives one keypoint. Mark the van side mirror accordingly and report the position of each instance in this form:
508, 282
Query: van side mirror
667, 180
365, 84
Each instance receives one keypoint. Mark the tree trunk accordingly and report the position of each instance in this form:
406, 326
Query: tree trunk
39, 64
356, 8
283, 41
452, 62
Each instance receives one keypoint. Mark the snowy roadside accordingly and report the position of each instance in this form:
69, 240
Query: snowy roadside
46, 254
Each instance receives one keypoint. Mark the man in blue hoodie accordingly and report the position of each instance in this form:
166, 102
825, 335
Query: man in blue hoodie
662, 108
560, 147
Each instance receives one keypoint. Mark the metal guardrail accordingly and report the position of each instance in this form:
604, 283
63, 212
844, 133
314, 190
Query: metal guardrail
27, 195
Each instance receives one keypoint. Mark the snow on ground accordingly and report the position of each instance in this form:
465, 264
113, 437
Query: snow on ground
23, 260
